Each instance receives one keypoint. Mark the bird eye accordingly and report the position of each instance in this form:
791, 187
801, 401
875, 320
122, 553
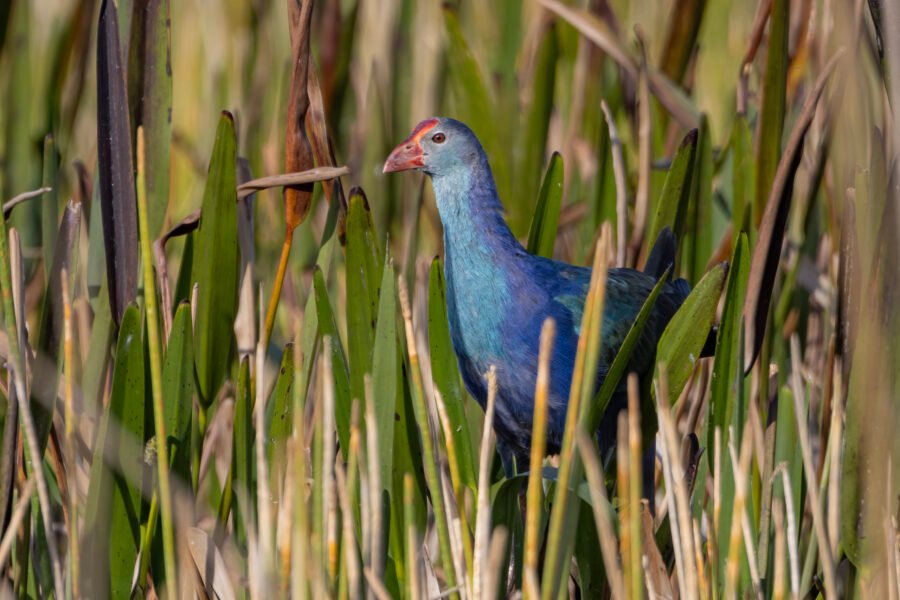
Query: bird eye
438, 138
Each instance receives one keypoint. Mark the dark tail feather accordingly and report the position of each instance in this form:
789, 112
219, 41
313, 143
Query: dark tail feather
709, 347
662, 256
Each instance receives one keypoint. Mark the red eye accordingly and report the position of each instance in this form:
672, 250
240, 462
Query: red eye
438, 138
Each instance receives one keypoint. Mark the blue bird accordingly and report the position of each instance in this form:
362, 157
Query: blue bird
499, 295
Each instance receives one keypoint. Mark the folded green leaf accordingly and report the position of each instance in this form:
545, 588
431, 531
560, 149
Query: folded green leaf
215, 266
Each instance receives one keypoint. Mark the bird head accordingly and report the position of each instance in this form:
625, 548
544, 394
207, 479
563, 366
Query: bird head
437, 146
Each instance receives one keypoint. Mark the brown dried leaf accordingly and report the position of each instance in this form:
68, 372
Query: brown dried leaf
298, 154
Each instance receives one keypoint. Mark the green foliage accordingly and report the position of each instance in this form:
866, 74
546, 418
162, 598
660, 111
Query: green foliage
542, 235
215, 266
326, 501
114, 503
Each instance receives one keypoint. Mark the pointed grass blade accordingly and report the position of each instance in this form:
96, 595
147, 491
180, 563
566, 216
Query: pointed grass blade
117, 194
544, 223
676, 190
215, 266
364, 271
178, 390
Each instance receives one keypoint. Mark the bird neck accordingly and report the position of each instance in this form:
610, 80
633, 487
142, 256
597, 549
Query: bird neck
484, 264
472, 215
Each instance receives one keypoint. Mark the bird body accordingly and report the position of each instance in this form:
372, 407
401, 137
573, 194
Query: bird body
499, 295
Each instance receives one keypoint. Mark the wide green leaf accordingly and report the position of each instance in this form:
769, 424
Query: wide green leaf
328, 328
386, 373
364, 271
215, 266
684, 336
178, 390
544, 223
727, 368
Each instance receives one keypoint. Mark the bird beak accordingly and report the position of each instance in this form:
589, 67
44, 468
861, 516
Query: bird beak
408, 155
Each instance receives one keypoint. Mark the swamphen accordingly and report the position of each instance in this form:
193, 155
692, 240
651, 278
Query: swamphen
498, 295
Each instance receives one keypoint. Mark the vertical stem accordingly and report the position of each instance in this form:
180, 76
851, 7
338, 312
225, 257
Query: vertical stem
279, 281
30, 444
74, 542
162, 451
538, 448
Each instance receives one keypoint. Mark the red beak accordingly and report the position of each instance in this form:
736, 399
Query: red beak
409, 154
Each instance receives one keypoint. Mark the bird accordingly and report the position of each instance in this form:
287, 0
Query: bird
499, 295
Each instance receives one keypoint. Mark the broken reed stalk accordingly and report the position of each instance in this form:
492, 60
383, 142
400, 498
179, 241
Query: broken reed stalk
459, 488
483, 510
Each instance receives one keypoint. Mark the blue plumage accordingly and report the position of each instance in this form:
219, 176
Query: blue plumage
498, 295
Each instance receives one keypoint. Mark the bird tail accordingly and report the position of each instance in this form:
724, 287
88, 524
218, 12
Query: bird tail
662, 255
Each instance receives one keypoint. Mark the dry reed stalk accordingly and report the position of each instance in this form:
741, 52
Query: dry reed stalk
483, 511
